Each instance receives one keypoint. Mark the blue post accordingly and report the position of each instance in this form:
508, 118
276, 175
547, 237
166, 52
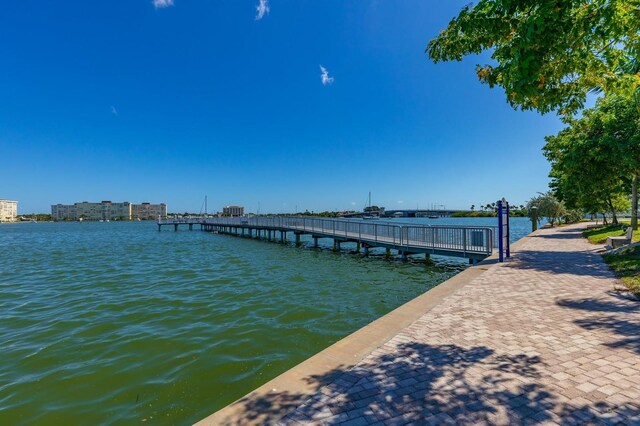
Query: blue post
500, 233
508, 233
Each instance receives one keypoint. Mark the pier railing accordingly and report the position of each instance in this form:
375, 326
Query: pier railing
464, 239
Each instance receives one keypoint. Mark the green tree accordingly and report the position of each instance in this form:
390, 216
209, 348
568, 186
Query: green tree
548, 206
571, 216
596, 160
548, 53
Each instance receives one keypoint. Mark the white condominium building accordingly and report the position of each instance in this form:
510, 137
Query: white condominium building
64, 211
148, 211
8, 211
107, 210
233, 211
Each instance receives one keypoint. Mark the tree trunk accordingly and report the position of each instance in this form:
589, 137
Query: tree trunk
634, 203
614, 218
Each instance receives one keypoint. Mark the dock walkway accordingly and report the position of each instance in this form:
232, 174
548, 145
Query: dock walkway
541, 338
472, 242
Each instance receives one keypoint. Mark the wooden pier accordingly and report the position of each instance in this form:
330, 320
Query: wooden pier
473, 243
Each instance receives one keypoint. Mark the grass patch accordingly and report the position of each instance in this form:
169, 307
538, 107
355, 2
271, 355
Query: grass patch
599, 235
626, 264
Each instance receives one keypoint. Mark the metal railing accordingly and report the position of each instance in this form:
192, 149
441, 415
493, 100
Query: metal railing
465, 239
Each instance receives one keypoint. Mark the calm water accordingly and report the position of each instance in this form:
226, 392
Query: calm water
116, 323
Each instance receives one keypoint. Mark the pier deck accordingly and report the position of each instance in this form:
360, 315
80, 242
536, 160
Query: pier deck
473, 243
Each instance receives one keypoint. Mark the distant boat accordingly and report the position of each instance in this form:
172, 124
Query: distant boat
369, 216
433, 217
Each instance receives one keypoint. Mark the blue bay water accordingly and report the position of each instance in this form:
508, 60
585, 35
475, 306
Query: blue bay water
116, 323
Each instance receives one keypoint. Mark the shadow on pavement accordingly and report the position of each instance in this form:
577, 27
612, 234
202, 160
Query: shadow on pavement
562, 234
618, 315
426, 384
561, 262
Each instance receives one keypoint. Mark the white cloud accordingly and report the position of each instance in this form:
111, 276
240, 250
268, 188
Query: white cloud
400, 202
262, 9
160, 4
325, 76
114, 111
353, 203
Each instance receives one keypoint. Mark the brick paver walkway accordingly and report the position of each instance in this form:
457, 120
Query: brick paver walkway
540, 339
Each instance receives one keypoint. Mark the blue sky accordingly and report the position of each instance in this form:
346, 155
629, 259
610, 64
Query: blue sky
125, 100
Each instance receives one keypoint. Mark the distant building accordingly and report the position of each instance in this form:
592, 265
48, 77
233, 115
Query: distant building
104, 210
233, 211
8, 211
64, 211
148, 211
107, 210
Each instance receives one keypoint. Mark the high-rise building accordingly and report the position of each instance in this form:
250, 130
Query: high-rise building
8, 211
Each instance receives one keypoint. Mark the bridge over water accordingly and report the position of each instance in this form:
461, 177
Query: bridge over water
473, 243
431, 213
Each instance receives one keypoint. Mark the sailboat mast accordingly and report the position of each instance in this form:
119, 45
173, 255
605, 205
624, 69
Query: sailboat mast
205, 205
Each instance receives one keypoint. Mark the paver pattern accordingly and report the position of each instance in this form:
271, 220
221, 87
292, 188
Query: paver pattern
542, 338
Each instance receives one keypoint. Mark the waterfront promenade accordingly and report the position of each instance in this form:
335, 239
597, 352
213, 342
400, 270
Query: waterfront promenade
542, 338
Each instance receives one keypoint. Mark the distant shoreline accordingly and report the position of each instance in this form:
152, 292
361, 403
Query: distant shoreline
514, 213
